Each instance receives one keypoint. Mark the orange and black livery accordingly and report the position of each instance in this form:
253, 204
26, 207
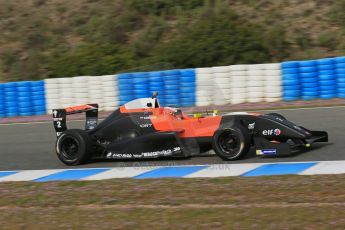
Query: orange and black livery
143, 129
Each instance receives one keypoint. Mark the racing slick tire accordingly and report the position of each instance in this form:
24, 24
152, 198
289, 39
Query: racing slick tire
74, 147
231, 143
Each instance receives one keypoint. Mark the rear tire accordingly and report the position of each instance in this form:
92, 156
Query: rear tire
74, 147
231, 143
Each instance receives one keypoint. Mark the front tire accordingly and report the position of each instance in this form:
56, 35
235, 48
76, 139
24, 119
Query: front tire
231, 143
74, 147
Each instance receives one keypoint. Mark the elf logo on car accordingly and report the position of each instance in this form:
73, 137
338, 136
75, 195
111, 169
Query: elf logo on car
271, 132
277, 132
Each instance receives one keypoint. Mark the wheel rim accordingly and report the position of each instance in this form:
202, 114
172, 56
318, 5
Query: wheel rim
69, 148
229, 143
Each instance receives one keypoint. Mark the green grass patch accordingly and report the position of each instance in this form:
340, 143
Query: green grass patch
275, 202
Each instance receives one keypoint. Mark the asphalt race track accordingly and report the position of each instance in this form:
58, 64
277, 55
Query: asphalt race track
31, 145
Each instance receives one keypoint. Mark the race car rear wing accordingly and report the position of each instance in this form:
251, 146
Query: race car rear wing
59, 116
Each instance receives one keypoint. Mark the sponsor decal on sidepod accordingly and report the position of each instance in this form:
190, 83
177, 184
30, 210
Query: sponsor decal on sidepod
266, 152
167, 152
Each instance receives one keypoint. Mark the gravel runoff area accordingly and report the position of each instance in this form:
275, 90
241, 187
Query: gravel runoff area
220, 108
277, 202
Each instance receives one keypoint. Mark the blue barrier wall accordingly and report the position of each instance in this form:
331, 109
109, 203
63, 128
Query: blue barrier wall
24, 98
340, 76
174, 87
314, 79
291, 81
300, 80
187, 88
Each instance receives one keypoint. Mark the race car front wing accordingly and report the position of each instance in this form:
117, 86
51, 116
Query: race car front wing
275, 148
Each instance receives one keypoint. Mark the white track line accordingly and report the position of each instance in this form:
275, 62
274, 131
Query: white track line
217, 170
29, 175
224, 170
121, 172
327, 167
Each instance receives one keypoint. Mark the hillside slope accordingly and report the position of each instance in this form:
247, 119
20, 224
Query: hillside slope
55, 38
